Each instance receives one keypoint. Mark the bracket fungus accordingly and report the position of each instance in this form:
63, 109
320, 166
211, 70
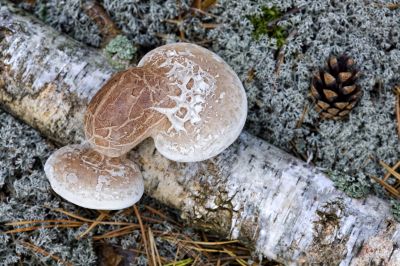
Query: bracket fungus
183, 96
91, 180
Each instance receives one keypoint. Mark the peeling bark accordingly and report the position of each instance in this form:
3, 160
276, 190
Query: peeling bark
253, 191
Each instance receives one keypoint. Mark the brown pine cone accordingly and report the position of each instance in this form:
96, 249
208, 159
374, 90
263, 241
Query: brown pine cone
333, 88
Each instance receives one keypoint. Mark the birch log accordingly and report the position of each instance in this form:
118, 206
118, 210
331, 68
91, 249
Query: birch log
282, 207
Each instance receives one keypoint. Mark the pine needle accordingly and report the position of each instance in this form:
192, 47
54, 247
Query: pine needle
303, 115
176, 254
72, 215
390, 169
153, 249
89, 220
118, 232
202, 252
45, 253
209, 25
157, 212
33, 228
94, 224
181, 262
41, 221
203, 12
195, 260
142, 230
98, 15
233, 255
209, 243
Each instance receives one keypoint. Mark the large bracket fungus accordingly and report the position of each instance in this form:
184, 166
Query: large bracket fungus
183, 96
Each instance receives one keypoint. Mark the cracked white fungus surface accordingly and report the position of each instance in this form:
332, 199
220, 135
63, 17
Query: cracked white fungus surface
91, 180
210, 109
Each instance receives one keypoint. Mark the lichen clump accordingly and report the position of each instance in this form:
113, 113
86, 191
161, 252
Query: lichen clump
395, 204
120, 52
354, 185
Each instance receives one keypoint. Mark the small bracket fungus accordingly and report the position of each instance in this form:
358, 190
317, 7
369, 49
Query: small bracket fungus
183, 96
91, 180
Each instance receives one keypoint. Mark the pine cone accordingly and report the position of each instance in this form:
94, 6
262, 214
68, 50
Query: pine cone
333, 89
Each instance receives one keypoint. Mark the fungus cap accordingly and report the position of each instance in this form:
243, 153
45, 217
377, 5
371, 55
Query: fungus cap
89, 179
182, 95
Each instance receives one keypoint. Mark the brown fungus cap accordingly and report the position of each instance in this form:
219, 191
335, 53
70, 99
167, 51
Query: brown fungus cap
91, 180
183, 96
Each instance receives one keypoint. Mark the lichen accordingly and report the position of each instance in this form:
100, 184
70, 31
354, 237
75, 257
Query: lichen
395, 207
121, 47
120, 51
355, 186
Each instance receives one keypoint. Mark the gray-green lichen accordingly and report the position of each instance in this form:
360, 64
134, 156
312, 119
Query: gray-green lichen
396, 209
120, 52
355, 185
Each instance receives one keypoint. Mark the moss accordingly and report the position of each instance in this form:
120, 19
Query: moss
120, 51
395, 207
261, 27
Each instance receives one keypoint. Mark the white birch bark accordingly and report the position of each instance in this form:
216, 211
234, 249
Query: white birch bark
280, 206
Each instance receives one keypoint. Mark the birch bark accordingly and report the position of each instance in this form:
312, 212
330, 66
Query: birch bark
255, 192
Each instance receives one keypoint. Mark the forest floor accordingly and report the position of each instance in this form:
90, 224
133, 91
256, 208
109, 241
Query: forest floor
274, 47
